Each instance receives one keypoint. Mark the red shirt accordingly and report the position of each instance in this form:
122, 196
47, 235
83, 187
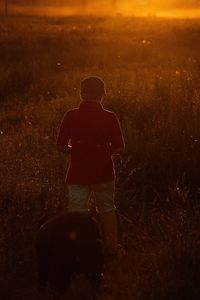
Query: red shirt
92, 132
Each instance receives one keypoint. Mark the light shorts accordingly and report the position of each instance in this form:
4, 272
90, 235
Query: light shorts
79, 197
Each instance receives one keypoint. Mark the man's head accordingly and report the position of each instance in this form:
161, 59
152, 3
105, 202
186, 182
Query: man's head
92, 89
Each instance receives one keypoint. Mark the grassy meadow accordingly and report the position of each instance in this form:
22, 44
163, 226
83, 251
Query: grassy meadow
152, 72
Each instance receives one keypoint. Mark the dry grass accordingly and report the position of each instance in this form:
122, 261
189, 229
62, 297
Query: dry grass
151, 68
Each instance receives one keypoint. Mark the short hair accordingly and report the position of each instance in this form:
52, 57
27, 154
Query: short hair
92, 87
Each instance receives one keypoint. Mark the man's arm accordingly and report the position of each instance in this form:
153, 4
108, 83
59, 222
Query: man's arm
116, 151
66, 149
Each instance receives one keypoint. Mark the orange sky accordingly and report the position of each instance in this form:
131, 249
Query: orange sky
125, 7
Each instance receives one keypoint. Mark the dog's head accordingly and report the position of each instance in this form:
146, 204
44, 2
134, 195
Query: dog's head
67, 244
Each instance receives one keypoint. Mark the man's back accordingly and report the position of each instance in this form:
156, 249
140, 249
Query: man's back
91, 124
93, 132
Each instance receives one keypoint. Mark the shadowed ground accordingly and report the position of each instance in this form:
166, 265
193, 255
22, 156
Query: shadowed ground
151, 67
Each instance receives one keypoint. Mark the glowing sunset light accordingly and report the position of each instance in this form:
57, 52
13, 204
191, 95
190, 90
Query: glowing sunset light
144, 8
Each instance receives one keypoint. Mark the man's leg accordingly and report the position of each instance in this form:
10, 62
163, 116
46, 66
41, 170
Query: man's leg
78, 197
104, 194
109, 223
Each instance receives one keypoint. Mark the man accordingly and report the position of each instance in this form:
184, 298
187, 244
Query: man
92, 135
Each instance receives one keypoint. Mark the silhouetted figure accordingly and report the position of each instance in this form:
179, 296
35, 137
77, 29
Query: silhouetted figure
95, 136
69, 244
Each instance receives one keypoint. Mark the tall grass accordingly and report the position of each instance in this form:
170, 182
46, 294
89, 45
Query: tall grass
151, 68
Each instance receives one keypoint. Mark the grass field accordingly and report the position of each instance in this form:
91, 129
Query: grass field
151, 69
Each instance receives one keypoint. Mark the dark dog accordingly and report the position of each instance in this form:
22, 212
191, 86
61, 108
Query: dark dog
69, 244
